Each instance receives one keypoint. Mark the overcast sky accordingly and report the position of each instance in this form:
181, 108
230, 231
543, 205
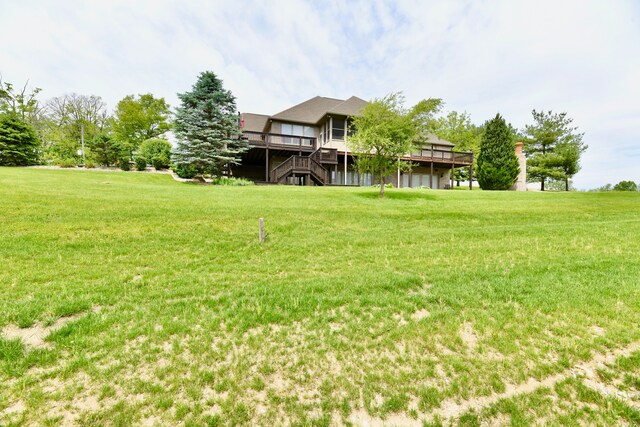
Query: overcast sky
483, 57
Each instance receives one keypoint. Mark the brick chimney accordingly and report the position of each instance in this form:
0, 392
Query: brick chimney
519, 149
521, 182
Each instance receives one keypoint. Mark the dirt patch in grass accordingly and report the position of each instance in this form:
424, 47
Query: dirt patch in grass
453, 409
361, 417
15, 407
420, 314
35, 336
469, 336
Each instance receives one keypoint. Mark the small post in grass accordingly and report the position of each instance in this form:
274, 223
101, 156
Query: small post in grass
262, 236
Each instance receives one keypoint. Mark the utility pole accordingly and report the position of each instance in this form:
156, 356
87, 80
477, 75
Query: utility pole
82, 141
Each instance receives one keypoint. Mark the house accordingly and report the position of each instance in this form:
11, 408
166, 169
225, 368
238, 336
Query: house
306, 145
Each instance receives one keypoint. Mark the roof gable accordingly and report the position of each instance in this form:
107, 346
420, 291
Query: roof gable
433, 139
314, 109
351, 107
254, 122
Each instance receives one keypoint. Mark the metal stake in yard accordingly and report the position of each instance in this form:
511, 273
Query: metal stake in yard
262, 236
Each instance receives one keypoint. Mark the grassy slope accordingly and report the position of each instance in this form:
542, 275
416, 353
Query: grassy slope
200, 323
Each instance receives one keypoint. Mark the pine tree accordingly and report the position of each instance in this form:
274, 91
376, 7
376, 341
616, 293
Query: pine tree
207, 128
18, 142
106, 150
497, 163
553, 148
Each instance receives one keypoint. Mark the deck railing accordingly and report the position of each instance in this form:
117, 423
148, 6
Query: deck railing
326, 155
442, 156
299, 164
277, 140
323, 155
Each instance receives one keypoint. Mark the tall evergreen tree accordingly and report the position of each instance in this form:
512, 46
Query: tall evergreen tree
553, 148
497, 163
18, 142
207, 127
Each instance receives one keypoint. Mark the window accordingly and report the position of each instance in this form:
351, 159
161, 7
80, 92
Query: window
309, 131
290, 129
297, 130
350, 128
338, 129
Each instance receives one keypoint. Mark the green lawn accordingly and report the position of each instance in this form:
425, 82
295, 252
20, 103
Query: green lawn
162, 308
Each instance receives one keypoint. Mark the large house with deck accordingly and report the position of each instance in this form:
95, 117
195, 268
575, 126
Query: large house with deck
306, 145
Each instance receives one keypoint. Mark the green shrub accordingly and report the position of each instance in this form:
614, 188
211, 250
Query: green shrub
158, 151
125, 164
223, 180
141, 163
161, 161
185, 171
90, 164
66, 163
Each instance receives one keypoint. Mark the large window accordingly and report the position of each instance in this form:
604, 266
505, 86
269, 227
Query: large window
308, 132
297, 130
351, 129
338, 129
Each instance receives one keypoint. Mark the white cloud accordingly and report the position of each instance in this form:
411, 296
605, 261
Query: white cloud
577, 56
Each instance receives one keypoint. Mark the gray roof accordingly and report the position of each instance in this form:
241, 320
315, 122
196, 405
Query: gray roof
433, 139
254, 122
314, 109
351, 107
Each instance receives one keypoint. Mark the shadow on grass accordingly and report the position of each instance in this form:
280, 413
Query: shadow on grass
400, 195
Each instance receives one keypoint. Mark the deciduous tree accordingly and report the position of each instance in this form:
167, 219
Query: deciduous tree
385, 130
23, 103
207, 128
138, 119
625, 186
65, 116
457, 128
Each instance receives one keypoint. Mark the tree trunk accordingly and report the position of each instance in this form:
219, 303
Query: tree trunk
457, 183
381, 194
542, 186
566, 184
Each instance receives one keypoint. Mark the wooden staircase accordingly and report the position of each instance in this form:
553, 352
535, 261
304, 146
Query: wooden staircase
302, 166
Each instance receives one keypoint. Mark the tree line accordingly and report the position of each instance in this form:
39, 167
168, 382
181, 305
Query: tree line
52, 132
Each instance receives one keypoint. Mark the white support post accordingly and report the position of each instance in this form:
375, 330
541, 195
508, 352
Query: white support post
345, 167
